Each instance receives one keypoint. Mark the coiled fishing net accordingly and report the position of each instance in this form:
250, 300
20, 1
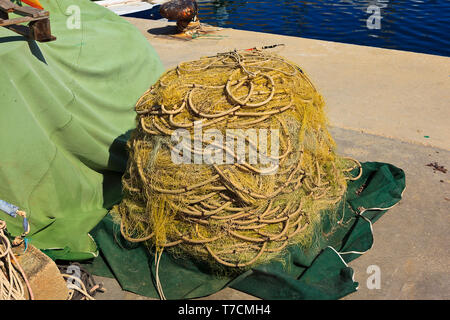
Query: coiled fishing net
237, 212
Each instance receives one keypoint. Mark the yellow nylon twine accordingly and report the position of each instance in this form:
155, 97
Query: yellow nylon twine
231, 214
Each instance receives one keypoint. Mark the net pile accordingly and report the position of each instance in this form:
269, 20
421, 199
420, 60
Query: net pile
241, 212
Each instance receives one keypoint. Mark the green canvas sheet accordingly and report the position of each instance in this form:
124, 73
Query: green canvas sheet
318, 272
64, 107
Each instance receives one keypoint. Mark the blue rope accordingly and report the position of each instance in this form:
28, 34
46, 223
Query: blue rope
26, 240
11, 210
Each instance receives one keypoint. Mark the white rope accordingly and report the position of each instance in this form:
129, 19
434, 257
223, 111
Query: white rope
12, 275
158, 282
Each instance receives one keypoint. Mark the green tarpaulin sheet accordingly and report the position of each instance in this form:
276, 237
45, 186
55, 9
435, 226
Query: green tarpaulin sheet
64, 106
318, 272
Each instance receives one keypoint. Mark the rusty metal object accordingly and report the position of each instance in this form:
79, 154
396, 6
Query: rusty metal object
183, 11
40, 30
39, 24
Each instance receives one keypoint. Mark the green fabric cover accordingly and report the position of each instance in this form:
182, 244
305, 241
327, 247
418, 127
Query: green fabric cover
64, 106
319, 272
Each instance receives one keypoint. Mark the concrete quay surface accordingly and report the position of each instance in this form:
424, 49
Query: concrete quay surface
383, 105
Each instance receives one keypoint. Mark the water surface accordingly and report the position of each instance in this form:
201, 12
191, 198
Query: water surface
412, 25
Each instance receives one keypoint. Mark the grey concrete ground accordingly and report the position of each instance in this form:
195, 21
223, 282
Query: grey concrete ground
384, 105
412, 242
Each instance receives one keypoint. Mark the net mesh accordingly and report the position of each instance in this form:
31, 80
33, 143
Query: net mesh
222, 203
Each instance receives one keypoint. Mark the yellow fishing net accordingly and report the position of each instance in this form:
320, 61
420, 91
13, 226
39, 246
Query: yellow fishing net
196, 181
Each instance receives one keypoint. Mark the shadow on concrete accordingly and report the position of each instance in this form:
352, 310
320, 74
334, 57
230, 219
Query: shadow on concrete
163, 31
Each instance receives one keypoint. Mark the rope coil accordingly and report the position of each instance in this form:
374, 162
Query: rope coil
12, 276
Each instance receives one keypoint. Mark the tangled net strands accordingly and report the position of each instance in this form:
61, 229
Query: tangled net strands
233, 215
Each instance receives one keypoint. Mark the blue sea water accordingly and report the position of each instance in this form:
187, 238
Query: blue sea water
412, 25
